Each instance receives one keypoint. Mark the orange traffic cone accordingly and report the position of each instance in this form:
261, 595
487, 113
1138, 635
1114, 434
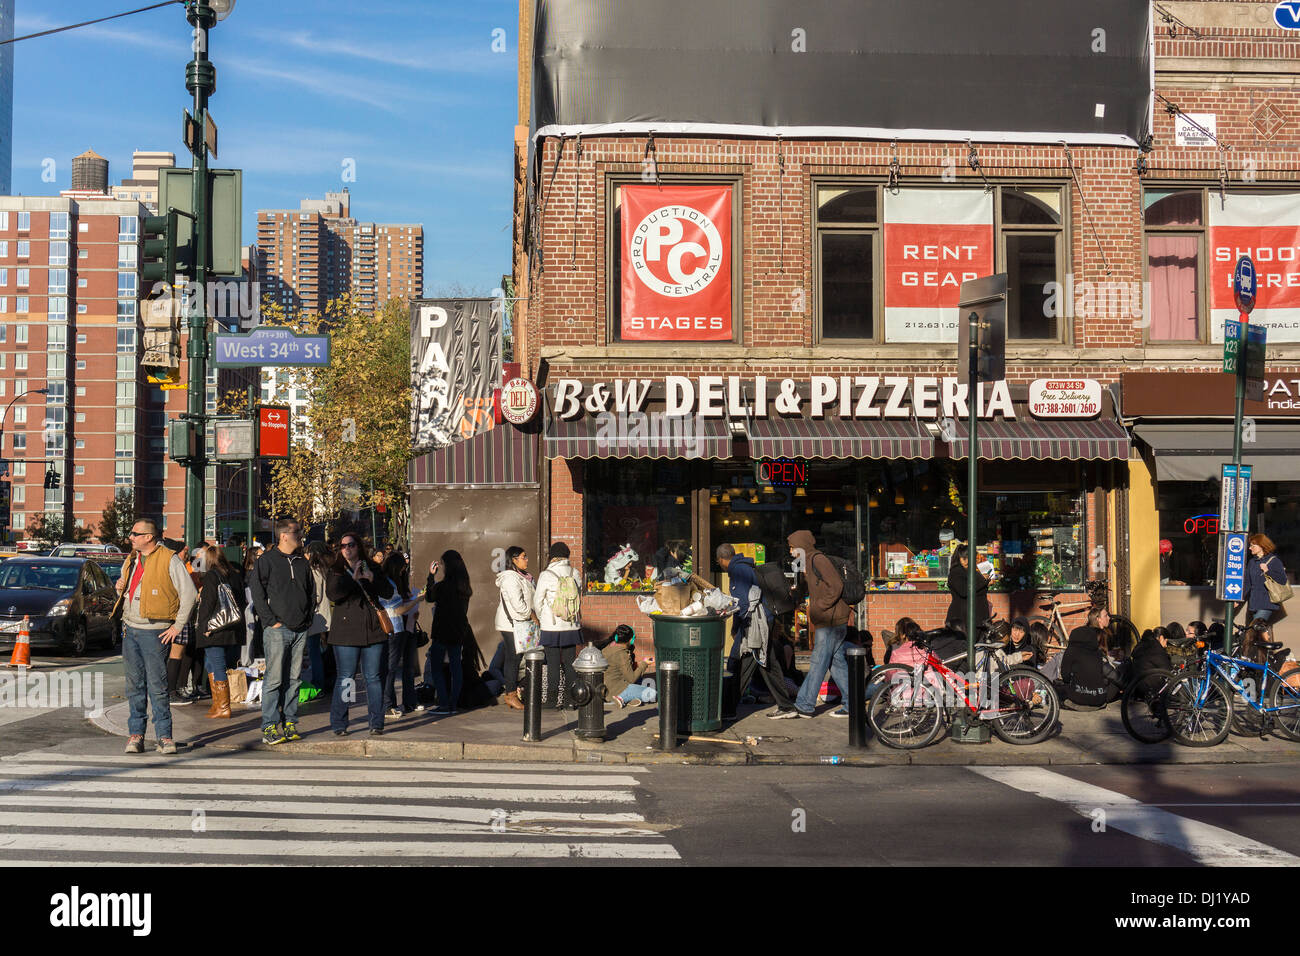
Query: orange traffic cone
22, 655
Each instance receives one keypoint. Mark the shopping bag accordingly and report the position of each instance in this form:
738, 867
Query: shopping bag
527, 636
238, 685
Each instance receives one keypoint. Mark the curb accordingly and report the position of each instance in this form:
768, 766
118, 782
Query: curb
585, 751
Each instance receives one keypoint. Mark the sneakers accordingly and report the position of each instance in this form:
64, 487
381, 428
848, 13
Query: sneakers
272, 735
790, 714
376, 731
839, 712
166, 746
177, 699
135, 745
291, 731
341, 733
617, 702
634, 702
395, 713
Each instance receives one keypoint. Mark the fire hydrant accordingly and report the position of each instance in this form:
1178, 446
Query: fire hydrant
589, 693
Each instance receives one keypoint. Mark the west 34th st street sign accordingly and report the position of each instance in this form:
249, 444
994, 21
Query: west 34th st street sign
269, 346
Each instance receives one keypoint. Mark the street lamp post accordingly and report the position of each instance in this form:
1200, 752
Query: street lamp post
3, 417
201, 81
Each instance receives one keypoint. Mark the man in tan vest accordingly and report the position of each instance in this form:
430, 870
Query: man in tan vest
156, 597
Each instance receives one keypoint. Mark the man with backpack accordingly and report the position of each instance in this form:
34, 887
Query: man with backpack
558, 603
751, 628
284, 598
834, 587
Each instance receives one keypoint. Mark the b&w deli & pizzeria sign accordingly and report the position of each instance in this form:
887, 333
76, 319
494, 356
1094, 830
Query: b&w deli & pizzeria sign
848, 396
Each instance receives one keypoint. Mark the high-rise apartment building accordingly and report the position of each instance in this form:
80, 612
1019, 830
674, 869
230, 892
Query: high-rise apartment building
143, 184
6, 97
319, 252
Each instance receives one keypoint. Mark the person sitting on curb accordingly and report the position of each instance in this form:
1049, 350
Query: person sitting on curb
1088, 678
624, 686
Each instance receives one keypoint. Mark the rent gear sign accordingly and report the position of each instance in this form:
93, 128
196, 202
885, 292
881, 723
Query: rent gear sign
676, 263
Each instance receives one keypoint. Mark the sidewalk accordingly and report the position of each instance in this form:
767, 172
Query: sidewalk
495, 733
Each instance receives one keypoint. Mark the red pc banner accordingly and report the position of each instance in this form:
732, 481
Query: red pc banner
1266, 227
935, 239
676, 261
273, 431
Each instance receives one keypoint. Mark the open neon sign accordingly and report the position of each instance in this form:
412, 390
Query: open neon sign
782, 472
1202, 524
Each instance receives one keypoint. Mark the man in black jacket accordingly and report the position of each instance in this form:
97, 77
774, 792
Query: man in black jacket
284, 597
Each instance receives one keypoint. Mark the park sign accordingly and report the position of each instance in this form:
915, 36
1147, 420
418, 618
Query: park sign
269, 346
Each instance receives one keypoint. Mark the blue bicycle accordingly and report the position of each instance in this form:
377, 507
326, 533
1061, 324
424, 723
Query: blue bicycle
1199, 704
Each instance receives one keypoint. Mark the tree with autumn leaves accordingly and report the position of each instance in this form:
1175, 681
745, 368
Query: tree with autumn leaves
356, 433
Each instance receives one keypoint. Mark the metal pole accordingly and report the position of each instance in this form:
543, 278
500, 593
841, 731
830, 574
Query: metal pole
857, 695
533, 708
374, 533
1239, 413
669, 698
201, 80
972, 486
252, 463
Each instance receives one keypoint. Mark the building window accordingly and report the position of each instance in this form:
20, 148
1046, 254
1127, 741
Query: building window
127, 256
4, 219
24, 278
20, 442
638, 503
127, 311
126, 340
20, 387
56, 365
81, 417
58, 253
19, 494
125, 418
82, 308
20, 334
128, 229
57, 395
24, 249
20, 361
58, 282
57, 338
125, 366
24, 221
83, 283
846, 254
20, 414
78, 496
1174, 231
128, 285
125, 446
4, 276
126, 393
79, 469
20, 304
1031, 236
58, 309
58, 225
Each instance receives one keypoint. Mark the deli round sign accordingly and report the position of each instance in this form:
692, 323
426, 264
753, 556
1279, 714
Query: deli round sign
1065, 398
519, 401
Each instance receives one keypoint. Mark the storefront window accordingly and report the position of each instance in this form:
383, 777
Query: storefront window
637, 517
1189, 532
1277, 509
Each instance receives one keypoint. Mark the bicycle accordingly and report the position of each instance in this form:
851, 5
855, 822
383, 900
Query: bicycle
1142, 708
909, 712
1199, 704
1121, 636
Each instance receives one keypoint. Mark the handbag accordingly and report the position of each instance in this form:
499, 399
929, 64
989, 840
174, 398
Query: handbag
527, 634
385, 622
1278, 591
421, 636
227, 613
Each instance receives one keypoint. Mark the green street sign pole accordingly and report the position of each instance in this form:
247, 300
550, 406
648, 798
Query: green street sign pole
1244, 290
201, 80
254, 463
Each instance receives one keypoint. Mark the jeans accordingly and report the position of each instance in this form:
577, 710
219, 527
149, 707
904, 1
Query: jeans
828, 654
145, 660
219, 660
372, 660
644, 692
401, 660
1259, 615
433, 663
280, 690
317, 661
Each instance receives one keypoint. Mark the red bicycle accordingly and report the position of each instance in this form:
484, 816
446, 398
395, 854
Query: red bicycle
911, 706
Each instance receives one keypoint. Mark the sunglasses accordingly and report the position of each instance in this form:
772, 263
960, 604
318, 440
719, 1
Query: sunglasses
349, 544
140, 534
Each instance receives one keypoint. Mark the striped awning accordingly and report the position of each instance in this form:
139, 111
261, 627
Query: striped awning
1098, 439
641, 435
504, 457
803, 437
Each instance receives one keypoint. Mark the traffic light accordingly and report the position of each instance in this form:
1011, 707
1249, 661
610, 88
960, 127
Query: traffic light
52, 479
160, 264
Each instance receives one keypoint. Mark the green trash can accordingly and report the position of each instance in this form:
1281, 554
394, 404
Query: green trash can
696, 644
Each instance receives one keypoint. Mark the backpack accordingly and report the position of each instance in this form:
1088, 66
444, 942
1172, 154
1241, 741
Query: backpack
855, 588
775, 587
565, 603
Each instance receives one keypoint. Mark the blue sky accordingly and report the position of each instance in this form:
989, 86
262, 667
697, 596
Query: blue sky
410, 89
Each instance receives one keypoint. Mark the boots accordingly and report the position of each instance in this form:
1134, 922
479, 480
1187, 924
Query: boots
220, 699
512, 700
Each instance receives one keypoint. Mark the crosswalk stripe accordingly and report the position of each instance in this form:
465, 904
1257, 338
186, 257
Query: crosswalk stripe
311, 808
125, 772
184, 823
284, 761
331, 851
128, 788
1203, 842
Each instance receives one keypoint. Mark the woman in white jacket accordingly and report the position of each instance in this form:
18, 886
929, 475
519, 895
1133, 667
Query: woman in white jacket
560, 635
515, 607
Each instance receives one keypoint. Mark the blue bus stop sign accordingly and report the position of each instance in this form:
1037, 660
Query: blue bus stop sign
1243, 284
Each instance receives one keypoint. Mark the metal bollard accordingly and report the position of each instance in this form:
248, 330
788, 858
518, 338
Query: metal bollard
670, 673
856, 695
533, 708
590, 667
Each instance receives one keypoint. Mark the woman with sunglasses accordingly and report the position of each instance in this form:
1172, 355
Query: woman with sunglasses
358, 590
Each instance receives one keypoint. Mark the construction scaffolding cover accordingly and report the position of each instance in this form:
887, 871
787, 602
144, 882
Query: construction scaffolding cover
996, 70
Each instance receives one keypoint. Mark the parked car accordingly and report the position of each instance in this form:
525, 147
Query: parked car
68, 603
83, 550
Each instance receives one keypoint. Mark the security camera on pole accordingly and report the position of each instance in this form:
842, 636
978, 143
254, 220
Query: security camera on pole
1243, 356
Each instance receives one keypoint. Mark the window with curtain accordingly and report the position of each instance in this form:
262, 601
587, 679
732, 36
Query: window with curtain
1175, 233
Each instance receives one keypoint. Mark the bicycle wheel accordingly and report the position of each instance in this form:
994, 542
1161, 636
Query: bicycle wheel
904, 714
1286, 721
1027, 706
1124, 635
1199, 725
1143, 707
1246, 720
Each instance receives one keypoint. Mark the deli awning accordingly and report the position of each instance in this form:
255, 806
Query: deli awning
503, 457
833, 437
1099, 439
638, 435
1195, 452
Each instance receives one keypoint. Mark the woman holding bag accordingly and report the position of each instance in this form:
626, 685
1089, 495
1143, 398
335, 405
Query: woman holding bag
357, 633
1264, 568
219, 624
514, 615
